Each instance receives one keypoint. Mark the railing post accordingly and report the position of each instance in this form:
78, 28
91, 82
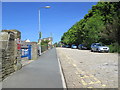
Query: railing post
29, 52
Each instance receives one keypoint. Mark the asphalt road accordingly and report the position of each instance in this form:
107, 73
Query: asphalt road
85, 69
42, 73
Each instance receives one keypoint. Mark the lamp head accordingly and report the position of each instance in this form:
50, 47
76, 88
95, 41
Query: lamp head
47, 7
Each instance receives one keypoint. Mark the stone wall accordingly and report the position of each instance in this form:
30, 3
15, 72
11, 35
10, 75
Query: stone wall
9, 54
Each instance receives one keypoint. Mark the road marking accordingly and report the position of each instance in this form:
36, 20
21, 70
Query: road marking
98, 82
91, 82
95, 78
74, 65
89, 87
103, 85
83, 82
61, 73
91, 75
86, 74
82, 77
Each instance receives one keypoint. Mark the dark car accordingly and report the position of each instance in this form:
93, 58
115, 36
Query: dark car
63, 46
82, 47
67, 46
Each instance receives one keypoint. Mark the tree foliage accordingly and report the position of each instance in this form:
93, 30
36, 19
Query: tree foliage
101, 24
45, 42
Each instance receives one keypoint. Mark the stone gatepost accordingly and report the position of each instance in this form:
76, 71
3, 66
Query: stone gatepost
34, 50
9, 53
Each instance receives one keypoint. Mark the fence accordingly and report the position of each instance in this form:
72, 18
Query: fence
26, 51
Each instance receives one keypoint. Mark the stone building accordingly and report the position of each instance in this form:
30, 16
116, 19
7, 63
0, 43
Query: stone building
50, 39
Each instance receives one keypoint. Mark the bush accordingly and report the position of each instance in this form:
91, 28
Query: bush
114, 48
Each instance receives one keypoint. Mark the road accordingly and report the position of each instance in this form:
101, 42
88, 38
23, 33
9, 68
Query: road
42, 73
85, 69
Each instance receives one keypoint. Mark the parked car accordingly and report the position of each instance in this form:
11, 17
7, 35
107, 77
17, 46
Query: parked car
67, 46
63, 46
99, 48
73, 46
82, 47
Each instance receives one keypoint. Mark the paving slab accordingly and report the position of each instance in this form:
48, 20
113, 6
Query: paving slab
92, 69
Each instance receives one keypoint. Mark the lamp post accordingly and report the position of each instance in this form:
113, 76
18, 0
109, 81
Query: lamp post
39, 41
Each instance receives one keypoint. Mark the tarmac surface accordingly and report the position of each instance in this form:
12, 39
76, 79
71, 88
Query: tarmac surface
86, 69
42, 73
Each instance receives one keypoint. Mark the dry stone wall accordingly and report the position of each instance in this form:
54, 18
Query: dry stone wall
9, 54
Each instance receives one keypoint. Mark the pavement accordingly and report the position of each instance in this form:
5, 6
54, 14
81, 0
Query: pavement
86, 69
25, 62
42, 73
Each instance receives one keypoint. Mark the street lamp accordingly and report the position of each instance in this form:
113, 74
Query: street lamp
39, 41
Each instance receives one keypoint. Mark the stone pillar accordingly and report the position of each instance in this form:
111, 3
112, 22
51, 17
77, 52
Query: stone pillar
17, 52
34, 50
9, 54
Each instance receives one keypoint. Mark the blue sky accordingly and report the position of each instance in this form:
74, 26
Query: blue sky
23, 16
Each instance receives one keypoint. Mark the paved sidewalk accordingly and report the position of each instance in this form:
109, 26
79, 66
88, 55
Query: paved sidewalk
26, 62
42, 73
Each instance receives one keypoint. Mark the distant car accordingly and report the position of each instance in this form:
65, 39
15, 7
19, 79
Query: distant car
82, 47
99, 48
73, 46
67, 46
63, 46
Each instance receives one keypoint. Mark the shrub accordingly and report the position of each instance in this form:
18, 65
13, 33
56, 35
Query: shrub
114, 48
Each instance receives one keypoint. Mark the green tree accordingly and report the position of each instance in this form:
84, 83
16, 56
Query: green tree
45, 42
101, 24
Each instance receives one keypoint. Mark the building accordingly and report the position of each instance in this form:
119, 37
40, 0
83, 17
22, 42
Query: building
50, 39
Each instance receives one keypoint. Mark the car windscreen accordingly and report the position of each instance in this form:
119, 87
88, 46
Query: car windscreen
98, 44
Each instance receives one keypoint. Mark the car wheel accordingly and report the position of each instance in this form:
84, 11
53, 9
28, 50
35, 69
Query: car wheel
91, 50
99, 51
80, 48
107, 51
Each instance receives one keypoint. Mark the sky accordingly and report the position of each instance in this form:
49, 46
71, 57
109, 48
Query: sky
54, 21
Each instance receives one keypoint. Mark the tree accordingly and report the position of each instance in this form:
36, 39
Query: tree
45, 42
101, 24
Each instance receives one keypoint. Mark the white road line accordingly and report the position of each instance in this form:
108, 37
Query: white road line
61, 73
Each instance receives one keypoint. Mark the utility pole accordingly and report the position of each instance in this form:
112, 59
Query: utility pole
39, 29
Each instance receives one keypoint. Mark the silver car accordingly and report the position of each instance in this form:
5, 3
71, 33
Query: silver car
99, 48
74, 46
